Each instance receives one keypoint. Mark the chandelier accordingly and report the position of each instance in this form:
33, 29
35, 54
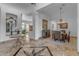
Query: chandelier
61, 8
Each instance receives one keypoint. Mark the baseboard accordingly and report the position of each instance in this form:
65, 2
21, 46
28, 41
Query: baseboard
7, 41
73, 36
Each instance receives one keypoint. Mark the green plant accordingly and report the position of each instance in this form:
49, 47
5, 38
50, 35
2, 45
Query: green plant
24, 31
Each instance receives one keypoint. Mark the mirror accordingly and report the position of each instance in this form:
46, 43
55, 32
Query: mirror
11, 23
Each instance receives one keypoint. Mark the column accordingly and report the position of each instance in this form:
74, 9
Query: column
36, 26
2, 26
78, 27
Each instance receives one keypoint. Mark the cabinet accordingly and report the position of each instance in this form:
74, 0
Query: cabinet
45, 33
56, 35
45, 24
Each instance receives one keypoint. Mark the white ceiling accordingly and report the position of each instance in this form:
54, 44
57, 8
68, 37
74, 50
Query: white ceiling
54, 9
23, 7
49, 9
26, 7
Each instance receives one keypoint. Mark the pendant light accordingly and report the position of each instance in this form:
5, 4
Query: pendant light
61, 8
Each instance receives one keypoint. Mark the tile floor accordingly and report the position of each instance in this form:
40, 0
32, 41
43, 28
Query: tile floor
57, 48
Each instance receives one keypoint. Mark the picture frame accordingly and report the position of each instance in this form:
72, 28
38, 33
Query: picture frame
63, 25
45, 24
11, 23
30, 27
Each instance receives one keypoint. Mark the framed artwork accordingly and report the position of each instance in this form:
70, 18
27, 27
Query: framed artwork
45, 24
30, 27
11, 23
63, 25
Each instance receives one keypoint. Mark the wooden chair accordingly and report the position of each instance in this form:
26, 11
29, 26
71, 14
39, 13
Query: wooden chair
65, 36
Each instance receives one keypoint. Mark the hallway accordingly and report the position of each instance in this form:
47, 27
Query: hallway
38, 29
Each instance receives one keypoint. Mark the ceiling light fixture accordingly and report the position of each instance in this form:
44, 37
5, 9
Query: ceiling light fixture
61, 8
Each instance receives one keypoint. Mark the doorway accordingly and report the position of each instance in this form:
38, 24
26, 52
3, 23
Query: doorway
25, 30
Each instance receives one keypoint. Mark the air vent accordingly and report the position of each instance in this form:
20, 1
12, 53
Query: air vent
33, 3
